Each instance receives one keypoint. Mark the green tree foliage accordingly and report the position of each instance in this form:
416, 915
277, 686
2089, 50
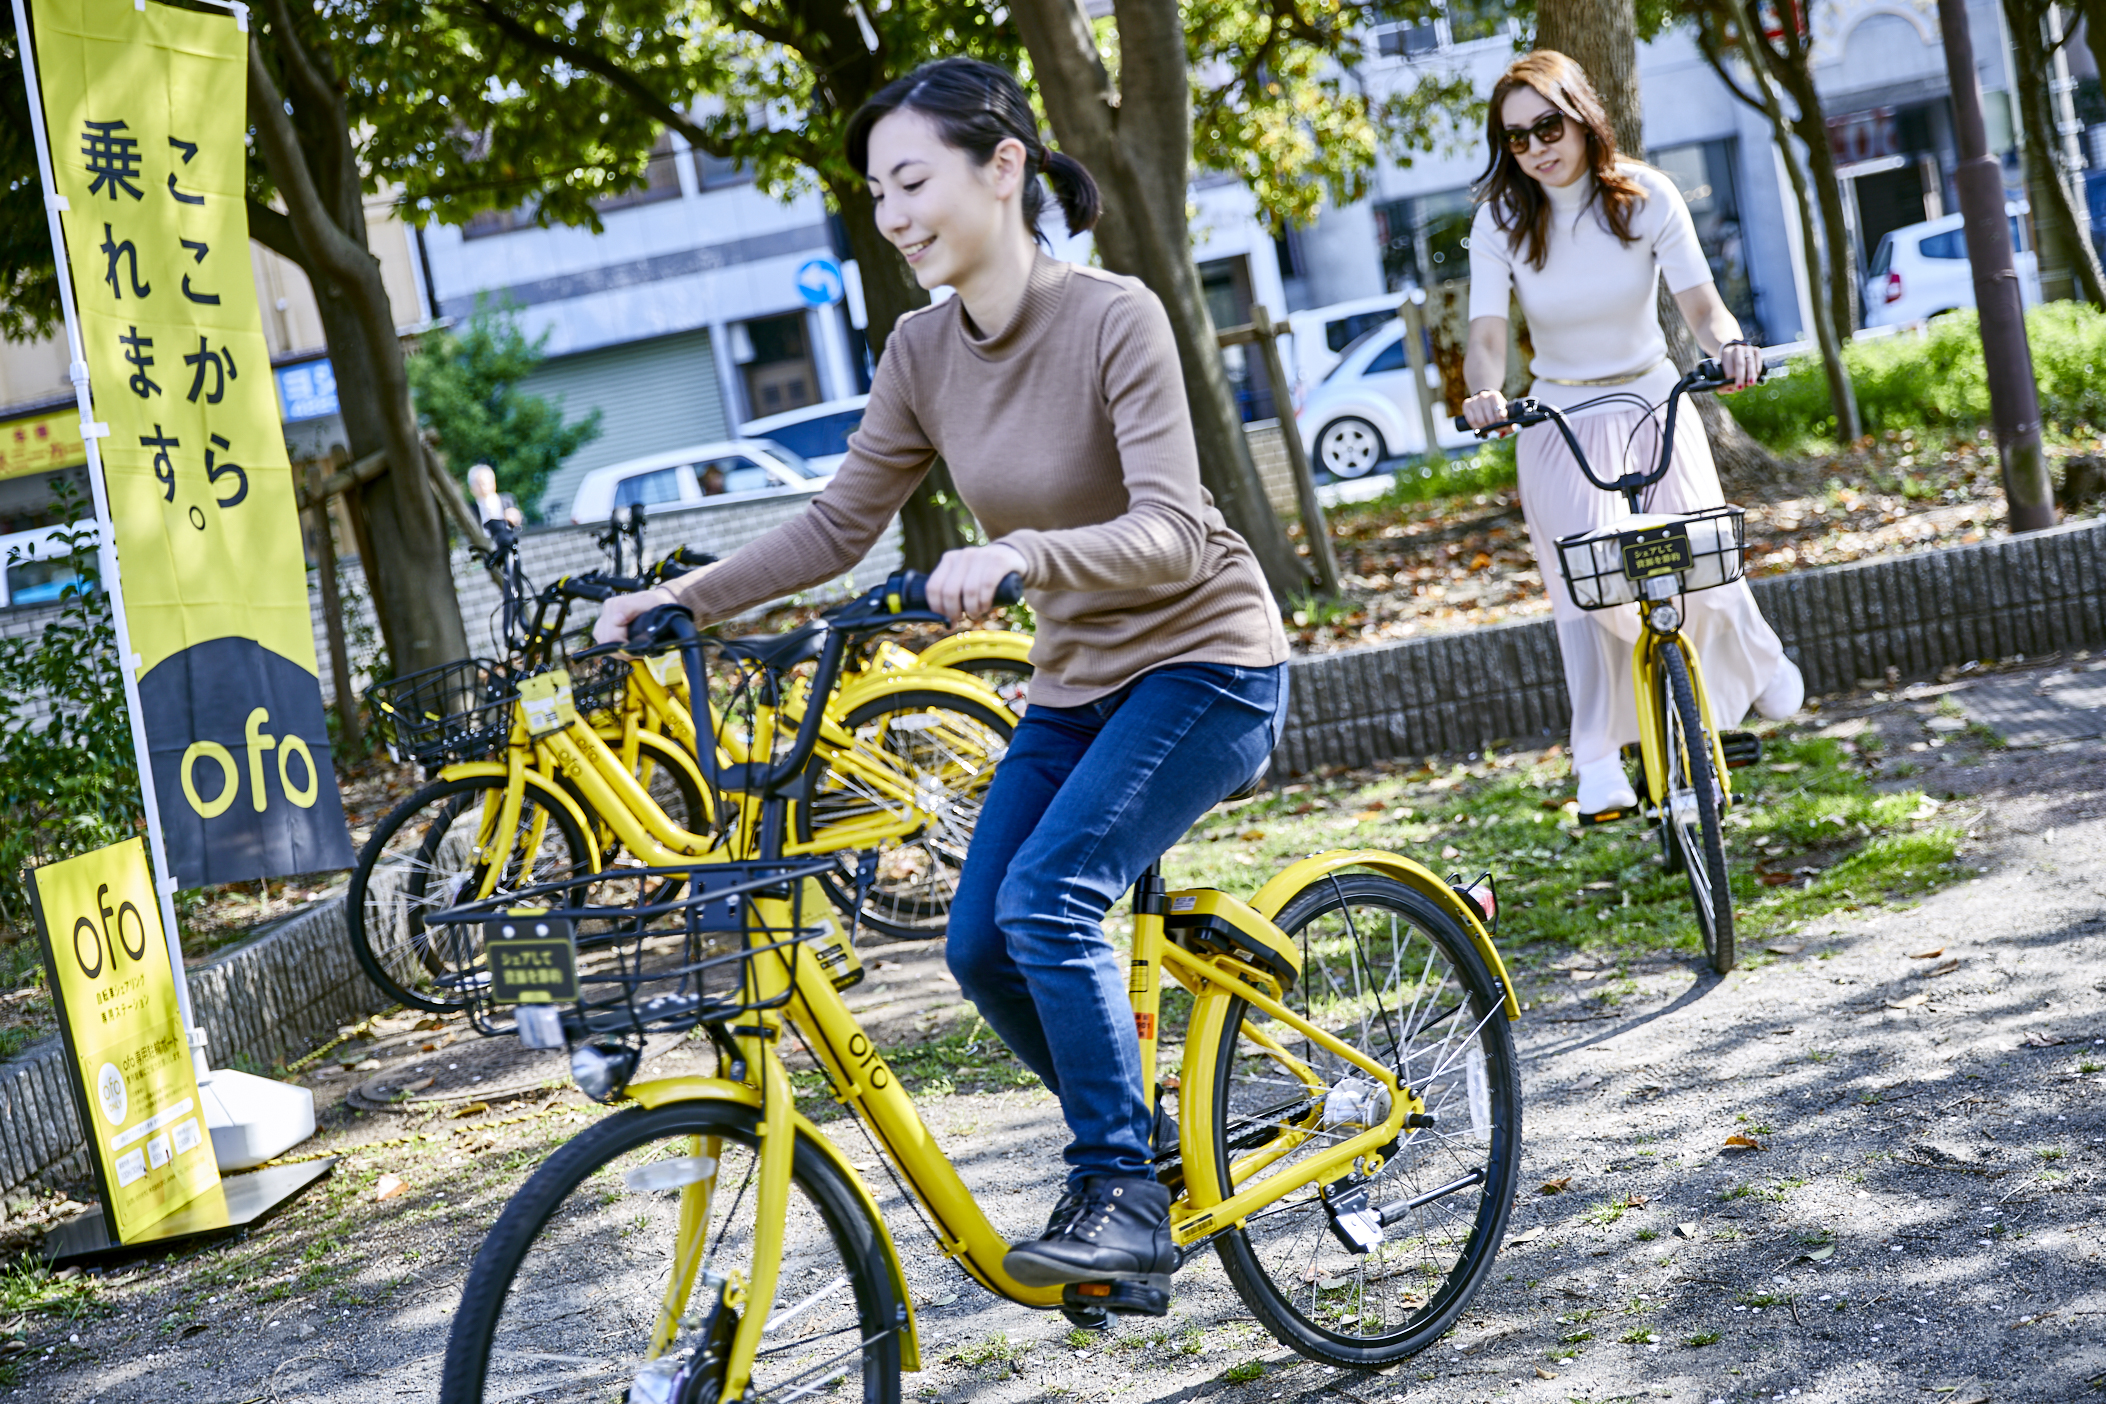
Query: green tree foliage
67, 780
29, 301
467, 384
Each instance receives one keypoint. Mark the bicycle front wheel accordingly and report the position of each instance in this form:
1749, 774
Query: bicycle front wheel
435, 850
1691, 815
639, 1231
1390, 974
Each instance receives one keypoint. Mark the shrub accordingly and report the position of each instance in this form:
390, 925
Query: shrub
1936, 380
67, 784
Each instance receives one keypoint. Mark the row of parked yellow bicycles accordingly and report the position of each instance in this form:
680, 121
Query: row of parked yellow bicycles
688, 839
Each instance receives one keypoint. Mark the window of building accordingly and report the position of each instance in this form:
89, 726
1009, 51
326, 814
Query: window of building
501, 221
779, 371
1425, 239
719, 172
1226, 283
661, 179
1428, 26
1706, 174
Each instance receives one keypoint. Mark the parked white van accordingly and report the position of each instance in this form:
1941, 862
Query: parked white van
1366, 410
1920, 270
723, 471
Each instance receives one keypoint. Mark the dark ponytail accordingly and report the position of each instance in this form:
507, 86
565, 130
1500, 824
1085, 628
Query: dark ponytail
977, 106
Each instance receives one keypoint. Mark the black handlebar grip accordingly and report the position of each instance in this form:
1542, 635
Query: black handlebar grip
1463, 426
908, 591
1011, 590
586, 589
660, 626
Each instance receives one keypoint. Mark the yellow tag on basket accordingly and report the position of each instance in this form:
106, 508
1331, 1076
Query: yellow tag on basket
545, 698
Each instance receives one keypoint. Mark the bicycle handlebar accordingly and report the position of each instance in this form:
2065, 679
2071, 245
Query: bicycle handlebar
1523, 413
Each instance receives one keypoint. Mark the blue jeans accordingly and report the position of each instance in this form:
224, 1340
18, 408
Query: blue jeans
1086, 798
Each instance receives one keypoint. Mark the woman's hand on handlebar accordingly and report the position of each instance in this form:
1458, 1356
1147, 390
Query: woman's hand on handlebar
1484, 408
964, 581
615, 615
1742, 365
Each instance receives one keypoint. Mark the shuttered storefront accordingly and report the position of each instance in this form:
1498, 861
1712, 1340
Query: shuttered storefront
652, 396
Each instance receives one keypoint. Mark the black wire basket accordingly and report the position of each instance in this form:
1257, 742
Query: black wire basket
1654, 557
454, 712
598, 685
615, 956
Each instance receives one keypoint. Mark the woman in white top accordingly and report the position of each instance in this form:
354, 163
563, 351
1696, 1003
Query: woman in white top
1582, 239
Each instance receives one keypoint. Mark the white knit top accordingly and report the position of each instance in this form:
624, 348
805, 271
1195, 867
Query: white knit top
1591, 307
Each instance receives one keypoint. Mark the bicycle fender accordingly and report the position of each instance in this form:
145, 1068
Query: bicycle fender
1413, 874
948, 681
536, 782
661, 1091
1652, 724
1005, 644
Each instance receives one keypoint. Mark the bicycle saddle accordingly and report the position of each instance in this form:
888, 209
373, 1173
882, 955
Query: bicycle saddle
780, 652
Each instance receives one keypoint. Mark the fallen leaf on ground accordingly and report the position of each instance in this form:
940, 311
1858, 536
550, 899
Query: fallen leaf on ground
1817, 1255
1740, 1142
1943, 967
1910, 1003
1686, 1230
418, 1086
366, 1065
1588, 974
1787, 767
1931, 954
1773, 879
1451, 851
1252, 835
470, 1110
1368, 816
1786, 947
2042, 1040
389, 1187
1557, 1186
1527, 1235
1635, 1201
1543, 1374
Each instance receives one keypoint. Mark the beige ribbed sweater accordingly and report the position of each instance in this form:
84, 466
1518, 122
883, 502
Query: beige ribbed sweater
1067, 435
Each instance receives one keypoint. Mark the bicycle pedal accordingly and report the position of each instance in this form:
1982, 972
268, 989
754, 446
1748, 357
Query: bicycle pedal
1088, 1318
1120, 1298
1741, 748
1606, 816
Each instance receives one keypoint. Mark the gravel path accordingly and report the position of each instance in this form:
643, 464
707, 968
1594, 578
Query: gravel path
1920, 1216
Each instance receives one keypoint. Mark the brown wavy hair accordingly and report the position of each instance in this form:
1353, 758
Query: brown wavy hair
1518, 203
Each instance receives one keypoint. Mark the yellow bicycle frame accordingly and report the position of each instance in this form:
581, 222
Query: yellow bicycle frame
798, 989
1648, 678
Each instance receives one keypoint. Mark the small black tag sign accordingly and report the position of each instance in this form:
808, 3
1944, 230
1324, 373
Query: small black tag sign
1660, 550
533, 959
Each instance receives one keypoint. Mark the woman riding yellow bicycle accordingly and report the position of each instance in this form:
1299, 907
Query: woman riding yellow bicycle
1053, 393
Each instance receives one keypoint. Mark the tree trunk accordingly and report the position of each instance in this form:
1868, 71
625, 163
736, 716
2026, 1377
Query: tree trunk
402, 539
1842, 395
2069, 267
1812, 127
1137, 141
935, 519
1601, 36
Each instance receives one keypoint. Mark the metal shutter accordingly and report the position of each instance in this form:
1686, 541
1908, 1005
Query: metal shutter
652, 396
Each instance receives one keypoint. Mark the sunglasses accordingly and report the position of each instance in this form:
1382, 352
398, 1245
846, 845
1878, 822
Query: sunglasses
1548, 129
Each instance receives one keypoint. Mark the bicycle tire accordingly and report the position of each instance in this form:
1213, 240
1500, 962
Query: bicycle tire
385, 914
1701, 845
1471, 1084
568, 1218
917, 875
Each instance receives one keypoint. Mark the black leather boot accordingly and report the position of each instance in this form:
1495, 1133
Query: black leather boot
1114, 1229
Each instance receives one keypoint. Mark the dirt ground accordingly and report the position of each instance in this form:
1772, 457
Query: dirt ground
1920, 1216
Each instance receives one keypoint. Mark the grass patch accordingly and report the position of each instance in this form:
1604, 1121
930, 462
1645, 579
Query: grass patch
1604, 892
996, 1349
1244, 1372
1702, 1338
27, 1285
1639, 1336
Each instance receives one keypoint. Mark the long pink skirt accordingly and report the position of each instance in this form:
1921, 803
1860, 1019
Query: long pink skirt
1738, 649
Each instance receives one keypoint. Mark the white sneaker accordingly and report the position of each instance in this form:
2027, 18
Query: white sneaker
1784, 695
1603, 786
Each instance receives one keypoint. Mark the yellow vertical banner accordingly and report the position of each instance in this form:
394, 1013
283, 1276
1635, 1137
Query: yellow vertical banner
115, 990
145, 109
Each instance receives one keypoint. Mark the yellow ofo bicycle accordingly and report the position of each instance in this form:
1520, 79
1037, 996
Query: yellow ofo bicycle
1650, 560
1348, 1111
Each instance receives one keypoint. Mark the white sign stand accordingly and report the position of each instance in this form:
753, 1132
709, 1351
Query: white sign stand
251, 1118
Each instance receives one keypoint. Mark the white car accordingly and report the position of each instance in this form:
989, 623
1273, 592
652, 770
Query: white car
689, 477
1365, 410
1322, 334
34, 565
1920, 270
817, 433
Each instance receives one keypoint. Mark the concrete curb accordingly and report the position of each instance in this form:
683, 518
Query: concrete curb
1918, 613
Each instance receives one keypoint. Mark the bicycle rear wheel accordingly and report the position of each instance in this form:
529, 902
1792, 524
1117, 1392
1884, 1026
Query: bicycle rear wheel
945, 749
428, 855
575, 1281
1388, 972
1692, 808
